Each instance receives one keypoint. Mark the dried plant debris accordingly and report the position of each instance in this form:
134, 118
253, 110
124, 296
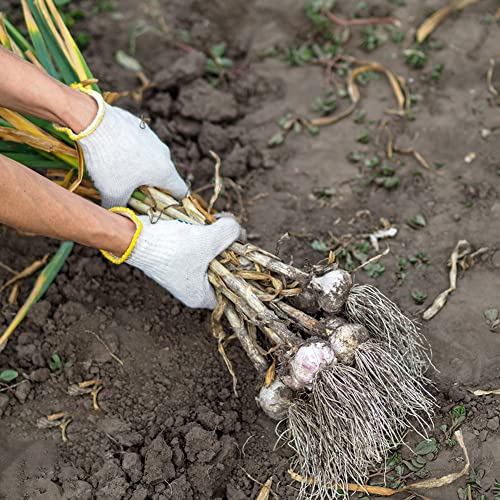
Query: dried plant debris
432, 22
464, 255
60, 419
482, 392
492, 318
489, 77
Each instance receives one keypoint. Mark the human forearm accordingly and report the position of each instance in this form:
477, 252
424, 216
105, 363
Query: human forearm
175, 254
33, 204
26, 89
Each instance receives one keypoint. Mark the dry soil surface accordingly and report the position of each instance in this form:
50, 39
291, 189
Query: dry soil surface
169, 424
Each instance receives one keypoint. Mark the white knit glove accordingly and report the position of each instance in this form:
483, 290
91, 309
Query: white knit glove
176, 255
122, 153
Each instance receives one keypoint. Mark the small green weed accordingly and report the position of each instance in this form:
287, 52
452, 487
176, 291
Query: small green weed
7, 376
325, 105
359, 116
402, 268
417, 221
218, 62
372, 38
419, 259
474, 483
437, 72
374, 269
415, 58
364, 137
320, 246
397, 36
418, 296
57, 365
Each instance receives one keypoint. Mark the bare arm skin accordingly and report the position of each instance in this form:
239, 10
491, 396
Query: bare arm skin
30, 202
29, 90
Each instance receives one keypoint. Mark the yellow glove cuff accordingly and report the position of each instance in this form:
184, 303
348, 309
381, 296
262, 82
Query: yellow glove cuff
138, 224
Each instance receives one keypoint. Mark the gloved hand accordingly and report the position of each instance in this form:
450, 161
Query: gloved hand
122, 153
176, 255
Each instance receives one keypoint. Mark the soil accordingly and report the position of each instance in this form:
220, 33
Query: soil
169, 425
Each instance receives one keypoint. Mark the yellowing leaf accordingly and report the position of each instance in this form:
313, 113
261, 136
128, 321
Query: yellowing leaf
42, 143
22, 124
45, 278
75, 56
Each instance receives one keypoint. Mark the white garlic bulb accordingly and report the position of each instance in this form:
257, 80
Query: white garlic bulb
332, 290
308, 360
275, 399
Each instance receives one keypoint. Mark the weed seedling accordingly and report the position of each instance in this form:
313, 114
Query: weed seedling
437, 72
359, 116
474, 485
360, 7
276, 139
458, 415
418, 296
342, 92
363, 138
415, 58
402, 268
372, 38
56, 364
397, 36
314, 11
435, 45
288, 124
366, 77
8, 376
269, 52
372, 162
361, 252
217, 62
496, 490
300, 56
418, 259
355, 156
320, 246
324, 193
417, 221
325, 105
388, 182
416, 463
374, 270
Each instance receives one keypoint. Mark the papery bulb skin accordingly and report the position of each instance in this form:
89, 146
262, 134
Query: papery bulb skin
306, 363
332, 290
346, 339
275, 399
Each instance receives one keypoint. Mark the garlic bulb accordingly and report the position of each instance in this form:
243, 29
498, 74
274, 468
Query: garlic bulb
275, 399
332, 290
346, 339
308, 360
